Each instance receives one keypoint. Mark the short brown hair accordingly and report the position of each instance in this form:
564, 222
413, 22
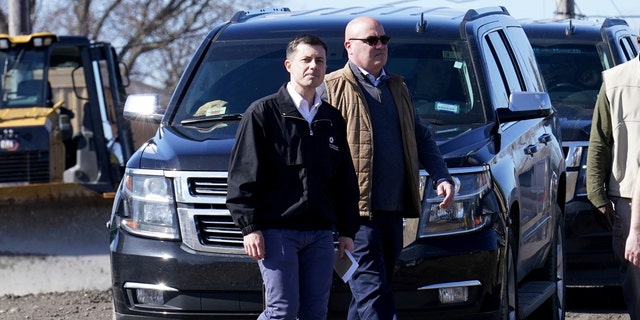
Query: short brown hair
305, 38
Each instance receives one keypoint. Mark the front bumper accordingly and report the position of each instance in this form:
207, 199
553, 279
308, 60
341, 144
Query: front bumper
473, 260
228, 286
198, 285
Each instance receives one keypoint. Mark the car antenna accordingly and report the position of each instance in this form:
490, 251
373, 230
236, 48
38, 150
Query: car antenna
421, 27
570, 29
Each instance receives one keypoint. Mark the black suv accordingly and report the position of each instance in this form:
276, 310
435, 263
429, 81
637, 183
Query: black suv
571, 55
497, 253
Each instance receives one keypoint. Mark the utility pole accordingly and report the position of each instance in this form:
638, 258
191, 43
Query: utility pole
565, 9
19, 20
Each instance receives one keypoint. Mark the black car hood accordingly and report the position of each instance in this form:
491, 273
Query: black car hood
170, 150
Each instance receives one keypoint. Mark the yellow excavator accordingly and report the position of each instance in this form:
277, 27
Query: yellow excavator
62, 133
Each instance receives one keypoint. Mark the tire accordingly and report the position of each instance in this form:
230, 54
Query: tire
509, 295
554, 270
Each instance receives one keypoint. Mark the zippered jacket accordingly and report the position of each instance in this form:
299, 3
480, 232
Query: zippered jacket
419, 147
285, 173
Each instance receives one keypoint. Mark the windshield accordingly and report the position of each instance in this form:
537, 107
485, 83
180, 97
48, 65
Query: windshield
233, 74
22, 77
439, 78
572, 75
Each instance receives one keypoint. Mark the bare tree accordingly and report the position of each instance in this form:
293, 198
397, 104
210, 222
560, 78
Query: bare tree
154, 38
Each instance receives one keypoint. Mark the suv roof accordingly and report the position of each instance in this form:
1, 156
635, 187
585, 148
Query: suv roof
615, 35
445, 22
277, 20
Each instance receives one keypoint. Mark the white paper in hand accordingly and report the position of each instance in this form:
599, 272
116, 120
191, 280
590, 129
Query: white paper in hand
346, 266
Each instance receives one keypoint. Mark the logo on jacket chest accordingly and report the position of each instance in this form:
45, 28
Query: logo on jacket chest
332, 145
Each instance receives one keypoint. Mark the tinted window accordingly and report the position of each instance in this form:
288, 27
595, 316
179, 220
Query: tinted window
233, 74
496, 77
572, 75
439, 78
504, 57
626, 43
526, 58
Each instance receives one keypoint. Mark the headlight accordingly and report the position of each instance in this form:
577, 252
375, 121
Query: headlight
149, 207
469, 211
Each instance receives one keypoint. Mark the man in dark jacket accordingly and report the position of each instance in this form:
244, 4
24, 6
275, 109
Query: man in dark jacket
291, 184
382, 125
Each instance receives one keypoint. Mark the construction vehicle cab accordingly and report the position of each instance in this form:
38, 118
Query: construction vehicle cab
61, 129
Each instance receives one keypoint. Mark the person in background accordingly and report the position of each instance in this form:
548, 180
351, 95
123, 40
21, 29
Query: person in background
387, 142
612, 165
291, 183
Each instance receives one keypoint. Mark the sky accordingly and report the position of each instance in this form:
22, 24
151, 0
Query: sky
534, 9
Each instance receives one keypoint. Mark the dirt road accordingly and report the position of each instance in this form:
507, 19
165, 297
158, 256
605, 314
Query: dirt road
57, 267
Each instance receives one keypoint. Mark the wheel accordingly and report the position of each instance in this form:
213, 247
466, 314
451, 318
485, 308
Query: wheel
509, 300
554, 270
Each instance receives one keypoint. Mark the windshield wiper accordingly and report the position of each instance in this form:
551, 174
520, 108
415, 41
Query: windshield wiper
214, 118
433, 121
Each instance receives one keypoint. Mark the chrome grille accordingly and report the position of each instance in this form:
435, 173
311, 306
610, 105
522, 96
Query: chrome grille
218, 230
575, 153
205, 222
208, 186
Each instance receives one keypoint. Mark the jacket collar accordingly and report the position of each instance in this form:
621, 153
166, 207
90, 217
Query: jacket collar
286, 107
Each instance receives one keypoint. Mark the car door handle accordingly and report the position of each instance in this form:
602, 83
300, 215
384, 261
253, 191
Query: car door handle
545, 138
530, 149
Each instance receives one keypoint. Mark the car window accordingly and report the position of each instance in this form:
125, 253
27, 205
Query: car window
628, 48
496, 77
232, 74
572, 74
439, 79
526, 59
502, 55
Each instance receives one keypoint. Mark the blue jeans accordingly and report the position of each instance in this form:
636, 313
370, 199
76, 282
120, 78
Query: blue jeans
378, 244
297, 272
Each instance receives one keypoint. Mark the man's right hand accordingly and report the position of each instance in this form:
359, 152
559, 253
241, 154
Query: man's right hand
606, 217
254, 245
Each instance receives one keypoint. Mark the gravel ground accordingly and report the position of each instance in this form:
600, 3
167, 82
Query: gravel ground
96, 305
72, 305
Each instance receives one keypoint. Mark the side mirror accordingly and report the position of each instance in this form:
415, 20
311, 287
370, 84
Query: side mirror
142, 107
526, 105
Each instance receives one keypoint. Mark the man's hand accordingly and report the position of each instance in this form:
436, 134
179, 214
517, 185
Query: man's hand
344, 243
445, 189
606, 217
632, 248
254, 245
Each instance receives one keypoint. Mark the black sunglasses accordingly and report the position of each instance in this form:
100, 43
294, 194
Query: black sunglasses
373, 40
